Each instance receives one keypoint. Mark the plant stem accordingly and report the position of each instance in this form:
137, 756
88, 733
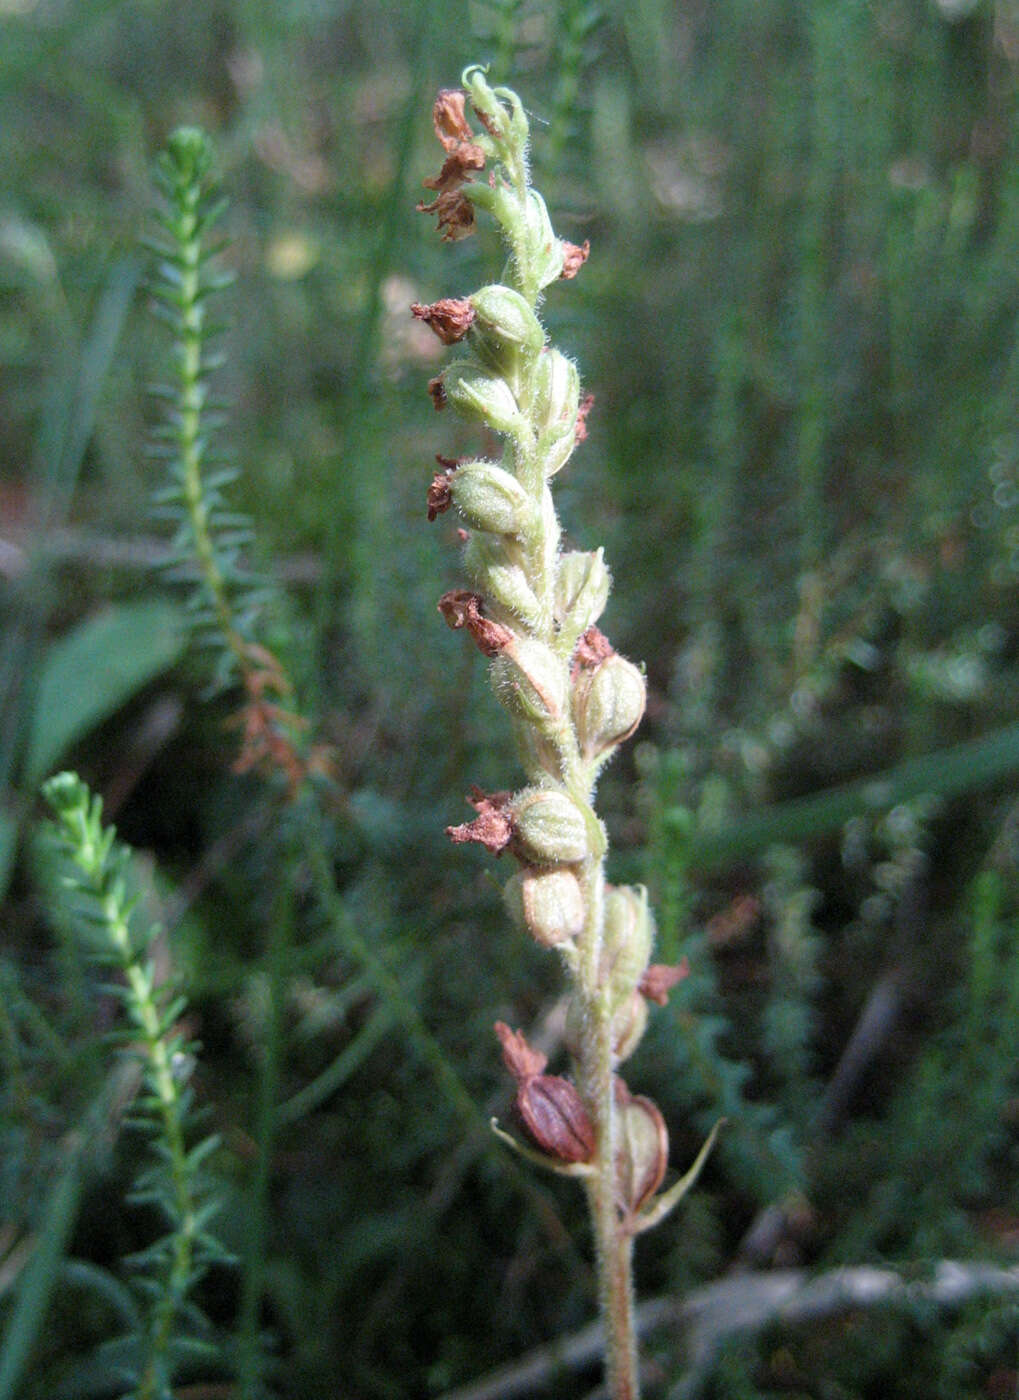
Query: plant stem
613, 1244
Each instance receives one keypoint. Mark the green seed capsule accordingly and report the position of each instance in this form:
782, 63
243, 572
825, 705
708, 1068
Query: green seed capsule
490, 498
629, 936
481, 396
608, 704
545, 250
505, 329
548, 827
582, 590
529, 679
556, 394
491, 562
547, 904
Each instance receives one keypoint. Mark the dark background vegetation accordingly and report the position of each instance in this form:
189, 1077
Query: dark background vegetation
799, 322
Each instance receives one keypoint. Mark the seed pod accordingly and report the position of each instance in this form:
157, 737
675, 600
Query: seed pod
490, 498
629, 933
556, 392
550, 1107
548, 827
504, 328
608, 704
642, 1155
481, 396
528, 678
628, 1026
500, 577
545, 251
547, 904
629, 1022
554, 1115
582, 590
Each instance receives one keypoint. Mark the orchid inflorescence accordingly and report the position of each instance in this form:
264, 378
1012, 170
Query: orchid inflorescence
533, 609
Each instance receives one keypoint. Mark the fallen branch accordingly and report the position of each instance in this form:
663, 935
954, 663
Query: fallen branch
744, 1305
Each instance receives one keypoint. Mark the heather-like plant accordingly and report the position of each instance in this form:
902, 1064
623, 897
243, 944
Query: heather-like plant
94, 867
533, 609
226, 599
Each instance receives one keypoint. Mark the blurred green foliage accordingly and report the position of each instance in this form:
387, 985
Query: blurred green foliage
799, 322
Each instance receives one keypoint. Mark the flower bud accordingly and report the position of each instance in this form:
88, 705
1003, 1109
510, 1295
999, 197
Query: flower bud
547, 904
490, 498
642, 1155
475, 394
545, 251
529, 680
504, 328
582, 590
500, 577
608, 704
629, 934
548, 827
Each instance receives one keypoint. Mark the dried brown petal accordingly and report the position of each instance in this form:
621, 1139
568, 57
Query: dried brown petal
592, 649
491, 828
454, 210
461, 608
574, 258
583, 409
643, 1151
438, 392
450, 317
660, 978
522, 1061
440, 498
450, 119
456, 171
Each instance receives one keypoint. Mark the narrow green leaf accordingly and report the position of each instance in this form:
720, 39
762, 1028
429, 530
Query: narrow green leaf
89, 673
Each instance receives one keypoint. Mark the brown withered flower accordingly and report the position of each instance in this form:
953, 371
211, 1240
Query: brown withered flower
574, 258
592, 649
454, 211
660, 978
463, 155
437, 390
450, 317
450, 120
440, 497
462, 608
583, 409
550, 1108
491, 828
